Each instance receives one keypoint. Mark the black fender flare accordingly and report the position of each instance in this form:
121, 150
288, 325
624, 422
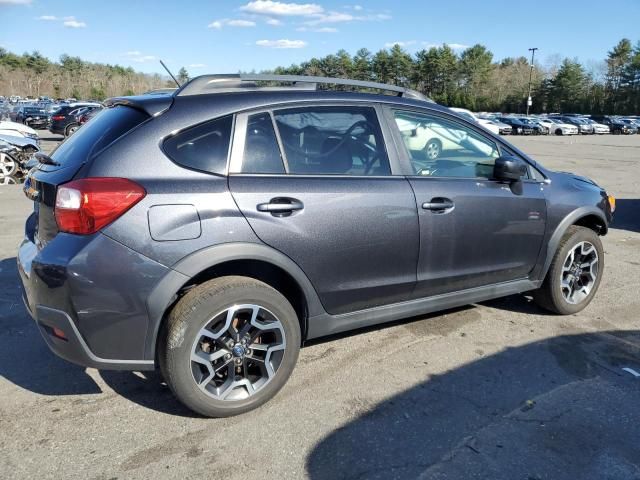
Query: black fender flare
558, 233
164, 293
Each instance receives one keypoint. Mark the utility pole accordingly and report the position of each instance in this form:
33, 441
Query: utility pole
529, 102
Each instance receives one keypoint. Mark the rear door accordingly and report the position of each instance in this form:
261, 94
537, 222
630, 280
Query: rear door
474, 231
318, 184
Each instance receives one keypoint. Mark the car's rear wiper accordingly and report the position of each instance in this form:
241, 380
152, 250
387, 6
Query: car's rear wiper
45, 159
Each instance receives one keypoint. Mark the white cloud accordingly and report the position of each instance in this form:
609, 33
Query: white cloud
274, 22
406, 43
138, 57
218, 24
241, 23
15, 2
48, 18
71, 22
357, 8
342, 17
282, 43
269, 7
197, 65
317, 30
453, 46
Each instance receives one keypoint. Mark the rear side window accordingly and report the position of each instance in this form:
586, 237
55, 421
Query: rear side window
204, 147
105, 127
332, 141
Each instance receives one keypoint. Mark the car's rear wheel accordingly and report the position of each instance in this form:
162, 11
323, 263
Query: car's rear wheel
230, 345
432, 149
575, 272
71, 129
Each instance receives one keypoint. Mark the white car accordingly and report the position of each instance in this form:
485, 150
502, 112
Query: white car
439, 138
16, 129
557, 127
598, 128
486, 123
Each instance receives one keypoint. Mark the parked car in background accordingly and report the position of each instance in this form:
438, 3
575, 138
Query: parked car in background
16, 129
538, 128
518, 126
87, 114
486, 123
32, 116
584, 127
617, 126
598, 128
63, 121
631, 123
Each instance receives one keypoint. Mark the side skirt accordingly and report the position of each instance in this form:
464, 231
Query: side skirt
326, 324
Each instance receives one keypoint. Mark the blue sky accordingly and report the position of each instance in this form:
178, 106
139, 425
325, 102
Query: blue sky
227, 35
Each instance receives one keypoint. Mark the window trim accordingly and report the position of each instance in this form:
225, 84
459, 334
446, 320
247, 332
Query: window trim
241, 123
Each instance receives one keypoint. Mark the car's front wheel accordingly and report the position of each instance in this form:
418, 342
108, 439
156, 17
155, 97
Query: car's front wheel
575, 272
432, 149
229, 346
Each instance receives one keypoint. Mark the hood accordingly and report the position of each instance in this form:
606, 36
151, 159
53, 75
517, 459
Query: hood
6, 125
20, 141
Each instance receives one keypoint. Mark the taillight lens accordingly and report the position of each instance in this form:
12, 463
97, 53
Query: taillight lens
85, 206
57, 118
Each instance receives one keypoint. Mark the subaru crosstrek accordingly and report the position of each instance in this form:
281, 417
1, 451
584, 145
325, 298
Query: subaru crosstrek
210, 232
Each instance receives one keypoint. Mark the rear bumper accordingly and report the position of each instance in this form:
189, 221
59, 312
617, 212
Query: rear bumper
95, 291
73, 347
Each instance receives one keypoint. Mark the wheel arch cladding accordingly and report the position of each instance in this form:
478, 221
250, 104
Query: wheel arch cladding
251, 260
590, 217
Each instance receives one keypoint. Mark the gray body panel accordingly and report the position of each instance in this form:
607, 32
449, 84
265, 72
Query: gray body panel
362, 251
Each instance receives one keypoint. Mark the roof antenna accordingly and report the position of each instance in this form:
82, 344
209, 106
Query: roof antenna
170, 74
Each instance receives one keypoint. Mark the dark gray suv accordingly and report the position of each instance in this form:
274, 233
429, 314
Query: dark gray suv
210, 232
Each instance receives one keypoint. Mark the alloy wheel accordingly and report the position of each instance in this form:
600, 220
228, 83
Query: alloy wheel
238, 352
8, 165
579, 272
432, 150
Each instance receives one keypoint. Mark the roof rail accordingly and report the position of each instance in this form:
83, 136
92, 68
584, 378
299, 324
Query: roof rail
222, 83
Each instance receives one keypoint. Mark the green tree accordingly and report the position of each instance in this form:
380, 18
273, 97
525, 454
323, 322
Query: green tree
568, 87
618, 60
362, 69
183, 75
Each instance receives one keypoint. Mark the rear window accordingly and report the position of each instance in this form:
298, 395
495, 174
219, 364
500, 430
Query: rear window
107, 126
204, 147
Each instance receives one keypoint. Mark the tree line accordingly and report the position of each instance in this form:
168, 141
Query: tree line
473, 80
470, 79
34, 75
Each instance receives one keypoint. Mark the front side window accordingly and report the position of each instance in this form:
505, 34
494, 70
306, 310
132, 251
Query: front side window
439, 147
332, 141
204, 147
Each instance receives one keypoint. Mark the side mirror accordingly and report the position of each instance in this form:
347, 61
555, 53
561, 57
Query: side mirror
511, 170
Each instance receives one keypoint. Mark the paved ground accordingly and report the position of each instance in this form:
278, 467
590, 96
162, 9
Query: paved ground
498, 390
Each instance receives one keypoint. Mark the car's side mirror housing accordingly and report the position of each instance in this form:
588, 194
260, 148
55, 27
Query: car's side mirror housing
510, 169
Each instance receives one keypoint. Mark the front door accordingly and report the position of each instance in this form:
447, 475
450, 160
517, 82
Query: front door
474, 231
316, 183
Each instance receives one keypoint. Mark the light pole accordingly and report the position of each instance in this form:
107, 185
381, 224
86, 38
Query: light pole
533, 52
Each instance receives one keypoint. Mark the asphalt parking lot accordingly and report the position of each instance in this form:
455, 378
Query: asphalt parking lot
499, 390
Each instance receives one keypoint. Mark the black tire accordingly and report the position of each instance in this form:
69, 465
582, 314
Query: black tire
193, 312
71, 129
559, 131
549, 296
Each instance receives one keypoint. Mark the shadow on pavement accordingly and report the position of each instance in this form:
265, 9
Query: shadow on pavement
560, 408
627, 215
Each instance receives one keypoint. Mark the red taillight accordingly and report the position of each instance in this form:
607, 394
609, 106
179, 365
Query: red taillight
85, 206
57, 117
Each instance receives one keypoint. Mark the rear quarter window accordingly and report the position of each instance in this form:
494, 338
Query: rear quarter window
104, 128
204, 147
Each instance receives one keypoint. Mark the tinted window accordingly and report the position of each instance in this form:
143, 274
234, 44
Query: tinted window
333, 141
442, 148
110, 124
261, 151
204, 147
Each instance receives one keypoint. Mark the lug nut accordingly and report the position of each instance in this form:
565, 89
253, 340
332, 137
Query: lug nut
238, 361
227, 356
